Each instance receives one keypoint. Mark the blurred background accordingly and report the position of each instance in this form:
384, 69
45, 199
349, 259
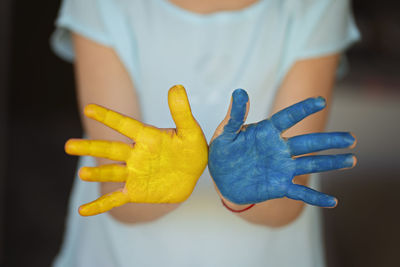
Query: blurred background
38, 113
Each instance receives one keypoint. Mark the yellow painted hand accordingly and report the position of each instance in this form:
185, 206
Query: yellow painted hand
162, 166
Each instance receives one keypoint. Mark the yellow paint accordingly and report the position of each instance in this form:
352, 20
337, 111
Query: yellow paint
162, 166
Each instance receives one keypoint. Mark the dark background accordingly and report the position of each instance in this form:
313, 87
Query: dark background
38, 113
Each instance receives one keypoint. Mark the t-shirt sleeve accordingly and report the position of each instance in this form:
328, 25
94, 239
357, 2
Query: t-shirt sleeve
85, 17
323, 27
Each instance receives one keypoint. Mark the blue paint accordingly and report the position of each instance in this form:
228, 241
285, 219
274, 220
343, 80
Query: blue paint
312, 164
315, 142
310, 196
288, 117
254, 163
239, 101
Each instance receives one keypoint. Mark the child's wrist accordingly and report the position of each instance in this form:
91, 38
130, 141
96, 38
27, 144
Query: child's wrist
233, 207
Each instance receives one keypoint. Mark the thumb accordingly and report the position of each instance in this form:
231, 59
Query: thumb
180, 108
236, 115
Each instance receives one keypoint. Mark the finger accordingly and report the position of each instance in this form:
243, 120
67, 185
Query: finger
180, 109
288, 117
235, 117
98, 148
104, 203
123, 124
308, 143
310, 196
311, 164
104, 173
237, 113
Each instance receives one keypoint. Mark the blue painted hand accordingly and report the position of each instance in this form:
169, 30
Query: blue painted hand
253, 163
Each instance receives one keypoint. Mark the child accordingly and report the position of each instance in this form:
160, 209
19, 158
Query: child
128, 53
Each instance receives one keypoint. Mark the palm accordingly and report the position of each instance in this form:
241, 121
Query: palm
260, 161
165, 174
253, 163
162, 166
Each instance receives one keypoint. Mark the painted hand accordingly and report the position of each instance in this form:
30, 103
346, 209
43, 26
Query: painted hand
253, 163
162, 166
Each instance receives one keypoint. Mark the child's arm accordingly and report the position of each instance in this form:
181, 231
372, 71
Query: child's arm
102, 79
307, 78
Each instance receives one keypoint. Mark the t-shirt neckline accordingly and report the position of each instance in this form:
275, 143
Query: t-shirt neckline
219, 15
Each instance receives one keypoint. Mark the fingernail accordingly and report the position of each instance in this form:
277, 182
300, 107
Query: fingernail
82, 211
179, 86
335, 203
320, 102
350, 161
70, 146
240, 95
354, 161
89, 110
331, 203
351, 140
84, 173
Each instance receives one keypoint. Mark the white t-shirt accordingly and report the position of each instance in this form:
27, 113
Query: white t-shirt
161, 45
